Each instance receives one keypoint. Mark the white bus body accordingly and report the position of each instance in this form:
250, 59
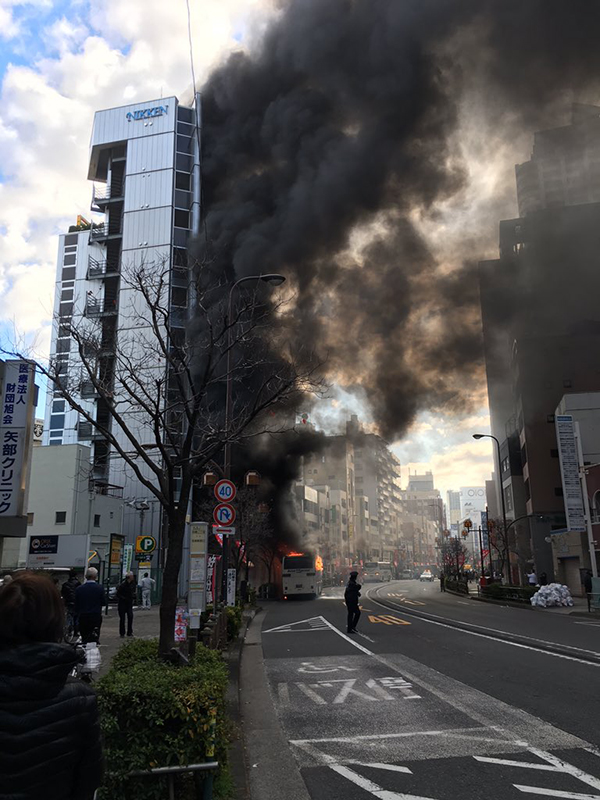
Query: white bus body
302, 574
377, 571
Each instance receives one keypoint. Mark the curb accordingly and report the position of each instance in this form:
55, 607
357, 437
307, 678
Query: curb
237, 751
585, 656
272, 771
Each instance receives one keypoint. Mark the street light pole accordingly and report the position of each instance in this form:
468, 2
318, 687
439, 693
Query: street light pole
489, 436
274, 280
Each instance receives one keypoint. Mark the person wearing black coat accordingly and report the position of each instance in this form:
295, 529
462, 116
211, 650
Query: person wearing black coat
50, 745
351, 596
126, 597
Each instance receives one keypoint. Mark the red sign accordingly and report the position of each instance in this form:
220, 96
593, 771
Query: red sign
224, 514
225, 491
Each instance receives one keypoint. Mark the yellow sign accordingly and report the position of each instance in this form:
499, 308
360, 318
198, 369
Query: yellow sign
388, 619
116, 551
145, 544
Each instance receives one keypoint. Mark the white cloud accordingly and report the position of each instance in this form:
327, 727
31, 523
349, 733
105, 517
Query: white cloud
90, 59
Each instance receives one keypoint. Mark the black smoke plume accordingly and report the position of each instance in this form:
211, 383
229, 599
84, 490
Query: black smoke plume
322, 147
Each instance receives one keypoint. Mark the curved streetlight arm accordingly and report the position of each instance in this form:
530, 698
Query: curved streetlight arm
490, 436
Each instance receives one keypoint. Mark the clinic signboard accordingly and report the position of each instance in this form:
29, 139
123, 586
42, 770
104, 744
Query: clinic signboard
17, 398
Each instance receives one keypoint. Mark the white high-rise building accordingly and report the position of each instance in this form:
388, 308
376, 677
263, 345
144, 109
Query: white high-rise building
144, 162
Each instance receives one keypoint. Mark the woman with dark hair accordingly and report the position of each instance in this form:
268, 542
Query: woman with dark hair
49, 728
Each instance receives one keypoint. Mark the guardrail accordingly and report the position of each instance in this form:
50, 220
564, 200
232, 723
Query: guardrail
593, 601
170, 773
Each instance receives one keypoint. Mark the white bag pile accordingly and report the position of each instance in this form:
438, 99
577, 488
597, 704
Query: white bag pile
555, 594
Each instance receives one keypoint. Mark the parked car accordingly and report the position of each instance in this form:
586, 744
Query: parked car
407, 574
427, 575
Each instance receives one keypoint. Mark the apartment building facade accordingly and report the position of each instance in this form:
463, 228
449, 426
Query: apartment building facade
144, 164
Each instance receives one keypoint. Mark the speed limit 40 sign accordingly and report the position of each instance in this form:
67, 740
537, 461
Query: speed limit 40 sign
225, 491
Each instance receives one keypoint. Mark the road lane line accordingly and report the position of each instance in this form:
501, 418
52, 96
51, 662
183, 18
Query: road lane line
525, 764
506, 641
347, 638
555, 793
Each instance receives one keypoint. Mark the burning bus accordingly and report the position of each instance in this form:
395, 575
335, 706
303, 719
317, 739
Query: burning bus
301, 574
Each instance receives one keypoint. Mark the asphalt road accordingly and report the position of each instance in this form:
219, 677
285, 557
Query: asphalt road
415, 708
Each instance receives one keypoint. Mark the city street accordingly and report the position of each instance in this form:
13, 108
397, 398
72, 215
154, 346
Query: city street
417, 708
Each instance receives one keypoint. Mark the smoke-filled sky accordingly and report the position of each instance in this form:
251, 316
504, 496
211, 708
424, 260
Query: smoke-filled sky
366, 149
345, 151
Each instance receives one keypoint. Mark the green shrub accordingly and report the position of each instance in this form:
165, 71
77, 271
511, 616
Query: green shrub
234, 621
518, 594
155, 714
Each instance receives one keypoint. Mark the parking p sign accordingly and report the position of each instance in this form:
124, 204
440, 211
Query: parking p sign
145, 544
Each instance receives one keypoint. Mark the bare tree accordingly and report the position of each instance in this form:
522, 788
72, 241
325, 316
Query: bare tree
158, 383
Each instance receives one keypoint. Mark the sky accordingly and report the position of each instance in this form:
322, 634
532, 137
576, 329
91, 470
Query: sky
60, 62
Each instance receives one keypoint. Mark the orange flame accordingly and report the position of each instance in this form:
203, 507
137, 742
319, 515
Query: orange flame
295, 554
319, 564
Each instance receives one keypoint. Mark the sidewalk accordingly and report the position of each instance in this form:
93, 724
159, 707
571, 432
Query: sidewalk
145, 626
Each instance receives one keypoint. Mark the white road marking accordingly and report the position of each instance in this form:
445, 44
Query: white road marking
459, 732
375, 789
310, 667
348, 638
283, 693
312, 695
508, 763
505, 641
348, 688
556, 793
591, 624
315, 624
553, 764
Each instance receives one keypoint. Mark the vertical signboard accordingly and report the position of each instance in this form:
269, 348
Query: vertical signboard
115, 556
569, 470
16, 420
197, 588
231, 576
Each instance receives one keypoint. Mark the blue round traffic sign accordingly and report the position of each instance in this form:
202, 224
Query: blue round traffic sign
224, 514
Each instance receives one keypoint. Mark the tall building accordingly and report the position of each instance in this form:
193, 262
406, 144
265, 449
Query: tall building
564, 169
453, 511
423, 519
144, 162
541, 330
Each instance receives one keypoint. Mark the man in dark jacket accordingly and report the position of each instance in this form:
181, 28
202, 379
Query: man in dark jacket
68, 596
89, 600
351, 596
50, 746
126, 596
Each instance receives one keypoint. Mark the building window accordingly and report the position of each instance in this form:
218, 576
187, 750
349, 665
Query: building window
183, 181
57, 421
55, 441
182, 218
72, 248
30, 516
184, 144
183, 162
66, 309
60, 517
63, 345
96, 520
68, 274
185, 114
178, 296
58, 406
70, 259
71, 239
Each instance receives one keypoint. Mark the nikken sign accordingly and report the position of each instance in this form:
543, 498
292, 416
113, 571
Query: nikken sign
146, 113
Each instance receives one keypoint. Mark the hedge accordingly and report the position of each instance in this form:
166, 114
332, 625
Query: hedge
155, 714
516, 594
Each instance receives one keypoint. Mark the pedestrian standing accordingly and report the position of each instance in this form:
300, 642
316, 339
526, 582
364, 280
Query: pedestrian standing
532, 578
50, 744
146, 585
543, 579
351, 596
126, 595
89, 601
442, 582
68, 590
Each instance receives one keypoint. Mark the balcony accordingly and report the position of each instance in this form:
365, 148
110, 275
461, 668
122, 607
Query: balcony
101, 269
95, 308
87, 389
103, 194
87, 432
103, 231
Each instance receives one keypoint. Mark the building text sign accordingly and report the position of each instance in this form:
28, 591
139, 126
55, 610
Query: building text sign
569, 469
16, 404
146, 113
